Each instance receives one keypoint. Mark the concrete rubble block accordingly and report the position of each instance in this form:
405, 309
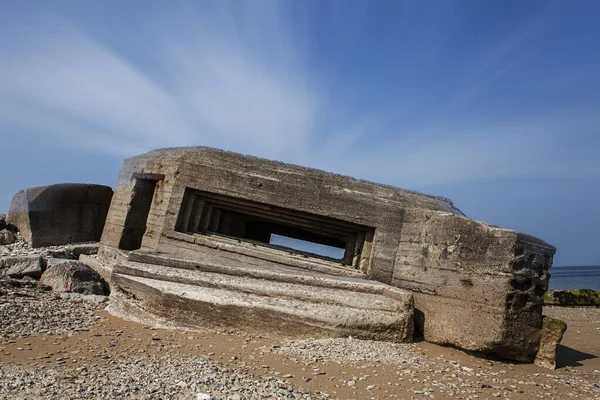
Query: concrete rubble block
553, 330
72, 276
74, 251
83, 248
477, 286
60, 214
22, 266
266, 308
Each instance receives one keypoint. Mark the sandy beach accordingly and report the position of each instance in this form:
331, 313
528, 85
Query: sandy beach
56, 346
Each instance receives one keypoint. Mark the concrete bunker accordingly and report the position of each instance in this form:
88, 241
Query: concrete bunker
189, 241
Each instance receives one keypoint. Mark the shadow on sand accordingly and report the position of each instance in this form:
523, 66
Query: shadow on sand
568, 357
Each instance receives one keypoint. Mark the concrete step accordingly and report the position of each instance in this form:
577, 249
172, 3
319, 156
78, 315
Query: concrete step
268, 271
270, 285
263, 312
263, 298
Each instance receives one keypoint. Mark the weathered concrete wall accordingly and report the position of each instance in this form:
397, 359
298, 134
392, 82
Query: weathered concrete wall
60, 214
476, 286
124, 192
312, 191
284, 185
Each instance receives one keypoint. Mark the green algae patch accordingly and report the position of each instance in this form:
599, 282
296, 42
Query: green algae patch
580, 297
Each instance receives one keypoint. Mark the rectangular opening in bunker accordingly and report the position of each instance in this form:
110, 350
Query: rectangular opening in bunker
293, 231
137, 214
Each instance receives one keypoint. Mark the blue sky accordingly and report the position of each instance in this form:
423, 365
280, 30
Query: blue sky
494, 104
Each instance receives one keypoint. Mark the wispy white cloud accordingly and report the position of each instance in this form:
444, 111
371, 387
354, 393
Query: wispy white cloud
224, 90
251, 105
71, 87
532, 148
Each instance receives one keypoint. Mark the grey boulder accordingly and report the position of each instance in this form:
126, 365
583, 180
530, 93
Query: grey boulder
73, 276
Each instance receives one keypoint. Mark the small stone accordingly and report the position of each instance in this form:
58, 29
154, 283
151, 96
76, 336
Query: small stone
21, 266
7, 237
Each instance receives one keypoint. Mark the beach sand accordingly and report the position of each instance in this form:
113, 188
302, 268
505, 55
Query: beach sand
101, 356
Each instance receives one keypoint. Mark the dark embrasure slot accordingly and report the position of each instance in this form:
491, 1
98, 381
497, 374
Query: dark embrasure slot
137, 214
277, 227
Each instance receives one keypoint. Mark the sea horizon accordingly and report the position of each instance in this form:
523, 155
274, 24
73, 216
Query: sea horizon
575, 266
570, 277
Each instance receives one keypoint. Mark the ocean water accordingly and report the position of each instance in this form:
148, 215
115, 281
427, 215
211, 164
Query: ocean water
587, 277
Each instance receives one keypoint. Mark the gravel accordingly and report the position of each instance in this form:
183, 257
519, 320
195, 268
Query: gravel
21, 248
153, 376
29, 309
350, 351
